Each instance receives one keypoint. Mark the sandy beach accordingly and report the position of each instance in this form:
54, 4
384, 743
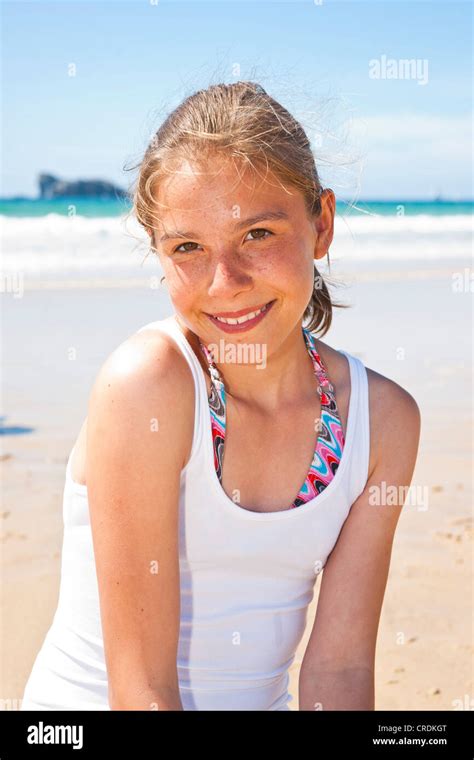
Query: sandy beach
407, 322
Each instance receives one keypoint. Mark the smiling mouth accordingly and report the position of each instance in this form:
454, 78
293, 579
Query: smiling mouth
242, 318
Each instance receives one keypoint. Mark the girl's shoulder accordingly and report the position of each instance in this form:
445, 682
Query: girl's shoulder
383, 391
393, 411
151, 350
147, 359
146, 372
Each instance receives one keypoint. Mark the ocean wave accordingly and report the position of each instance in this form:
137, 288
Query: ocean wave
118, 246
58, 224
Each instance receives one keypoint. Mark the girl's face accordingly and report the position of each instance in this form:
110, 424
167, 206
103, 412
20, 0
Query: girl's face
229, 241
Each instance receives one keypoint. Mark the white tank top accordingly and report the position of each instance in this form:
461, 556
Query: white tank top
246, 578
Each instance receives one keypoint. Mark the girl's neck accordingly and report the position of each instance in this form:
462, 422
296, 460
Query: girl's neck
284, 378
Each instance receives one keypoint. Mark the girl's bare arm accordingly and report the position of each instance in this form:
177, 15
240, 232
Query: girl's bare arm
137, 432
337, 672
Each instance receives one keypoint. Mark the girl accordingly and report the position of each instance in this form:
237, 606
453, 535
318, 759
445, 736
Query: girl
229, 455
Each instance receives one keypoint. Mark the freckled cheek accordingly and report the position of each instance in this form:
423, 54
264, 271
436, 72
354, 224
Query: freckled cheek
184, 283
283, 271
287, 272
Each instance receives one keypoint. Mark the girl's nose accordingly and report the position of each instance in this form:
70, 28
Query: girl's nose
229, 277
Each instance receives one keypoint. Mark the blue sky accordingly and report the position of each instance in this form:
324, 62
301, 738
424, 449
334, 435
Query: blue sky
402, 137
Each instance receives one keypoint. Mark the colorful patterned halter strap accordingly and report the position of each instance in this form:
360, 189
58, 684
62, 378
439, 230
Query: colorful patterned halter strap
330, 441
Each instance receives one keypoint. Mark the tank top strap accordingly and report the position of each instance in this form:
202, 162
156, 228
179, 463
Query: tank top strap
171, 328
358, 424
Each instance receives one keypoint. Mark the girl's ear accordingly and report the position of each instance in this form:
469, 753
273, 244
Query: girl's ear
325, 224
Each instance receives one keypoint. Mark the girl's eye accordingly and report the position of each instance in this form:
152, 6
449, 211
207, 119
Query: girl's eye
189, 250
260, 230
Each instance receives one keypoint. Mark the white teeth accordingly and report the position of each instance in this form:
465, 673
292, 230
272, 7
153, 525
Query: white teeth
240, 320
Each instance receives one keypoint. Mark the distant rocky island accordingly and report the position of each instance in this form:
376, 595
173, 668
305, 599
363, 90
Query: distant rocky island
52, 187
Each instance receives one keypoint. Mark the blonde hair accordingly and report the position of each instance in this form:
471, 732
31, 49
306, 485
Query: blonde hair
241, 121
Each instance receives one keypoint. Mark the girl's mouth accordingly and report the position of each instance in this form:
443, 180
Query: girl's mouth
244, 323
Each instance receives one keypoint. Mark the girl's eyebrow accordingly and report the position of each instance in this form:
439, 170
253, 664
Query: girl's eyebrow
264, 215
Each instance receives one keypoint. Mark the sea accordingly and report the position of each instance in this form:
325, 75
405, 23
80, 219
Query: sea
77, 242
